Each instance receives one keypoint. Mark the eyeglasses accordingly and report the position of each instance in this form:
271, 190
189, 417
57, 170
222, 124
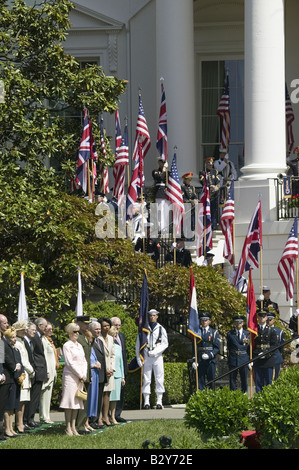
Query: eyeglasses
76, 331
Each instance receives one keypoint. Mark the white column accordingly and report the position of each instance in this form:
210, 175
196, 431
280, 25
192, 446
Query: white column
265, 126
175, 63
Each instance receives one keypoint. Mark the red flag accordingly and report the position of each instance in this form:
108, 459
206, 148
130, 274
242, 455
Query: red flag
251, 306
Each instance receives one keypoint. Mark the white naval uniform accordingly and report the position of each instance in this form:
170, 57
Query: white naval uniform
157, 342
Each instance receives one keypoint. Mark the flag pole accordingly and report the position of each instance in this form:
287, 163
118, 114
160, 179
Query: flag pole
195, 355
141, 383
128, 166
297, 292
250, 343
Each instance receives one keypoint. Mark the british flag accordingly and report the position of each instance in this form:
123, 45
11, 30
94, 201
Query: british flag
104, 187
223, 112
162, 128
173, 193
227, 225
286, 265
290, 117
84, 154
252, 244
121, 162
204, 240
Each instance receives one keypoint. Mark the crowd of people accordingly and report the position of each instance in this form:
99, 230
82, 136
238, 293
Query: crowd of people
95, 362
95, 366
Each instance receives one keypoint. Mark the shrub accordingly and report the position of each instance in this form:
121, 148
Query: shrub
275, 412
215, 413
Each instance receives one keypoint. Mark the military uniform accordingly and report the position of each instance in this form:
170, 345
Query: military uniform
189, 197
264, 341
207, 349
293, 170
151, 247
238, 353
267, 303
280, 340
183, 256
213, 182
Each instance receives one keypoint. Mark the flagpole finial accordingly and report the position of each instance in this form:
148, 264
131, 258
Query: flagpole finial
175, 147
139, 91
260, 195
161, 79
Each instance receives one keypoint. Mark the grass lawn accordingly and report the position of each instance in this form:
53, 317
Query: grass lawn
130, 435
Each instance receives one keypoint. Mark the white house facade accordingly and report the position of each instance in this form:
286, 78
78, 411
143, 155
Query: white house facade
190, 45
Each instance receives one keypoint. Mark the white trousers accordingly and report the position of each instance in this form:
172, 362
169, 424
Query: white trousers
153, 365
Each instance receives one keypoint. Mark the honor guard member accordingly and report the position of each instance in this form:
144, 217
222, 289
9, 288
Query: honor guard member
157, 342
189, 197
267, 302
213, 182
183, 256
280, 340
263, 342
159, 176
207, 349
226, 169
209, 258
238, 352
151, 247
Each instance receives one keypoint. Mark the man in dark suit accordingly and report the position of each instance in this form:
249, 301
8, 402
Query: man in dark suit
182, 255
238, 352
41, 374
121, 340
95, 328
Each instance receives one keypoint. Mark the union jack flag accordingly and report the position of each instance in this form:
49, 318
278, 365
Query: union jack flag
286, 265
223, 112
84, 154
227, 225
162, 128
104, 187
204, 224
290, 117
252, 244
173, 193
122, 160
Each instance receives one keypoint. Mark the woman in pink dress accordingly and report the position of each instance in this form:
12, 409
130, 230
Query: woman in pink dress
74, 375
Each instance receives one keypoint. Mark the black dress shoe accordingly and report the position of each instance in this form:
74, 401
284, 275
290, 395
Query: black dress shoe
27, 428
159, 407
95, 425
84, 432
33, 424
146, 407
121, 420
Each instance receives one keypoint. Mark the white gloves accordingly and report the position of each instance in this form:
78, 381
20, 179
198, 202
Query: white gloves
194, 365
205, 356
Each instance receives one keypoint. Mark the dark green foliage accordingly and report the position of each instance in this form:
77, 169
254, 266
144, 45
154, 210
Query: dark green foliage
275, 412
217, 413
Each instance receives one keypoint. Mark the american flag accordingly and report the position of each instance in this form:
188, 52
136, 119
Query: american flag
227, 225
104, 187
162, 128
142, 134
173, 193
223, 112
252, 244
84, 154
204, 224
141, 147
290, 117
122, 160
286, 265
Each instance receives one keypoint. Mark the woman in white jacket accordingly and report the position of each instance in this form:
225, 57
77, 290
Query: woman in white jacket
47, 387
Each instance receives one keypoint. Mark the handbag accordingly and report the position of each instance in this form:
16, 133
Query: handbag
82, 394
